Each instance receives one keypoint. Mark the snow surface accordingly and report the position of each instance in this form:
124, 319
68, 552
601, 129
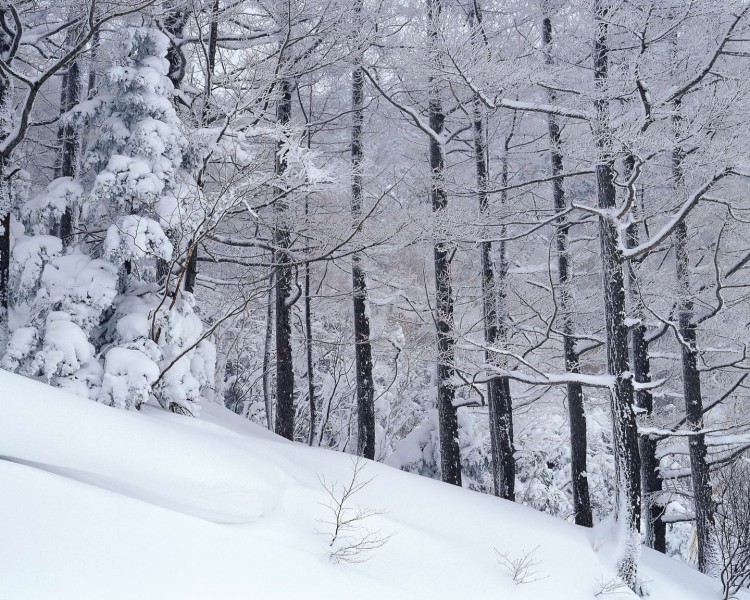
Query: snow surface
99, 503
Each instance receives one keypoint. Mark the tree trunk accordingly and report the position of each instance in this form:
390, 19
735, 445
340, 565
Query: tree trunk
655, 529
450, 460
362, 346
191, 268
576, 409
174, 22
267, 357
504, 404
6, 202
691, 379
309, 353
498, 389
70, 144
625, 428
282, 243
4, 260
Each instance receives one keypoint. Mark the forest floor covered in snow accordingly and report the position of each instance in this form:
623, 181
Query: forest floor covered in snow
105, 504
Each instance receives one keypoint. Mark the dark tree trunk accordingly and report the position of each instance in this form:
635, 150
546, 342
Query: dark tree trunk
498, 389
362, 346
6, 202
691, 379
174, 24
283, 276
576, 409
655, 529
268, 357
191, 268
625, 428
702, 492
4, 261
450, 460
70, 144
94, 49
309, 353
176, 74
504, 404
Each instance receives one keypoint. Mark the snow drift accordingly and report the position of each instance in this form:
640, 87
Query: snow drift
99, 503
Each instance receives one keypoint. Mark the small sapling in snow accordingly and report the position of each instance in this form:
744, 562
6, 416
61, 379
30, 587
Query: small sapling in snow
351, 540
523, 569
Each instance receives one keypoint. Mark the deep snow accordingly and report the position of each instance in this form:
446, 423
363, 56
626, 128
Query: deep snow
99, 503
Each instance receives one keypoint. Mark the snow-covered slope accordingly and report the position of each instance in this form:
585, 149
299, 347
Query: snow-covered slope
98, 503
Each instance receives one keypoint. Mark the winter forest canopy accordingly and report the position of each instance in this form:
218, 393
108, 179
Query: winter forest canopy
501, 243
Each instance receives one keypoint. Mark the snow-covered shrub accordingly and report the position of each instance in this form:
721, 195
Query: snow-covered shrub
418, 451
128, 377
42, 213
171, 361
30, 255
191, 360
53, 338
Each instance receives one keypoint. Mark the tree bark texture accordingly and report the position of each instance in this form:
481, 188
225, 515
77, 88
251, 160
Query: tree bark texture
450, 460
283, 276
576, 408
362, 346
625, 427
498, 389
654, 528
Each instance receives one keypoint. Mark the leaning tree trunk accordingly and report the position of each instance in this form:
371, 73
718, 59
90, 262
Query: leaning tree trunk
498, 389
655, 529
450, 460
625, 427
576, 409
691, 379
362, 346
283, 275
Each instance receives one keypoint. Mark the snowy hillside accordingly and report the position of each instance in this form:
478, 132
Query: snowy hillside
99, 503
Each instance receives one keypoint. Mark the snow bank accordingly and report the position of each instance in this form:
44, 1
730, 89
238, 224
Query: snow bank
99, 503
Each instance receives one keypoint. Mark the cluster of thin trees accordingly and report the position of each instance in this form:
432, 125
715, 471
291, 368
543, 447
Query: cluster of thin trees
574, 174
